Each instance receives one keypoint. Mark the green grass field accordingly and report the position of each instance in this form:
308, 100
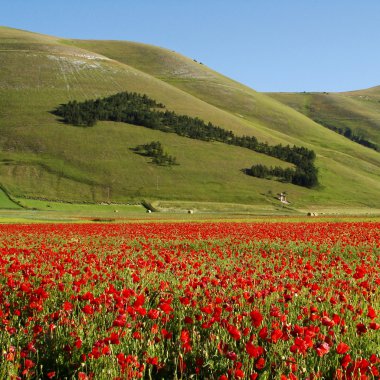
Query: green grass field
42, 158
7, 203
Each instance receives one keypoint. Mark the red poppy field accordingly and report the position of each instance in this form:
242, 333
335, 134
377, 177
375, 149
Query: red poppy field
190, 300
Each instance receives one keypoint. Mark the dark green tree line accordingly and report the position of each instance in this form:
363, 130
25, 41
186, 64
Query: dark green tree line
141, 110
349, 134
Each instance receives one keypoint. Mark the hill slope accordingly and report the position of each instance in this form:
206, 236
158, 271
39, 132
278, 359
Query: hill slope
43, 158
358, 111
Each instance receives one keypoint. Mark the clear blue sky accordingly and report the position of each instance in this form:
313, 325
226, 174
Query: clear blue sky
270, 45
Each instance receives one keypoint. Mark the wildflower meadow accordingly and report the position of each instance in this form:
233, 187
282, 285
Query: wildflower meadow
190, 301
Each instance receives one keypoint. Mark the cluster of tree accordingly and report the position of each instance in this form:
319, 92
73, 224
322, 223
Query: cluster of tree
155, 150
141, 110
262, 171
350, 134
302, 176
118, 107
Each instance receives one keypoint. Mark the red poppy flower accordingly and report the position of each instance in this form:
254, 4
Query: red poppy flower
322, 348
345, 361
87, 309
256, 318
234, 331
342, 348
254, 351
260, 363
276, 335
361, 328
28, 364
371, 312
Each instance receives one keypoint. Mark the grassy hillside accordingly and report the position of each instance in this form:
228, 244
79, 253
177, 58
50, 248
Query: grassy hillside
212, 87
357, 110
6, 202
43, 158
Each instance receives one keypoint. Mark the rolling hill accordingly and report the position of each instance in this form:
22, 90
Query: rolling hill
358, 111
41, 157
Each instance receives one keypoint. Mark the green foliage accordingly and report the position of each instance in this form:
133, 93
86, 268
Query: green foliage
129, 107
262, 171
156, 152
302, 176
141, 110
259, 170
